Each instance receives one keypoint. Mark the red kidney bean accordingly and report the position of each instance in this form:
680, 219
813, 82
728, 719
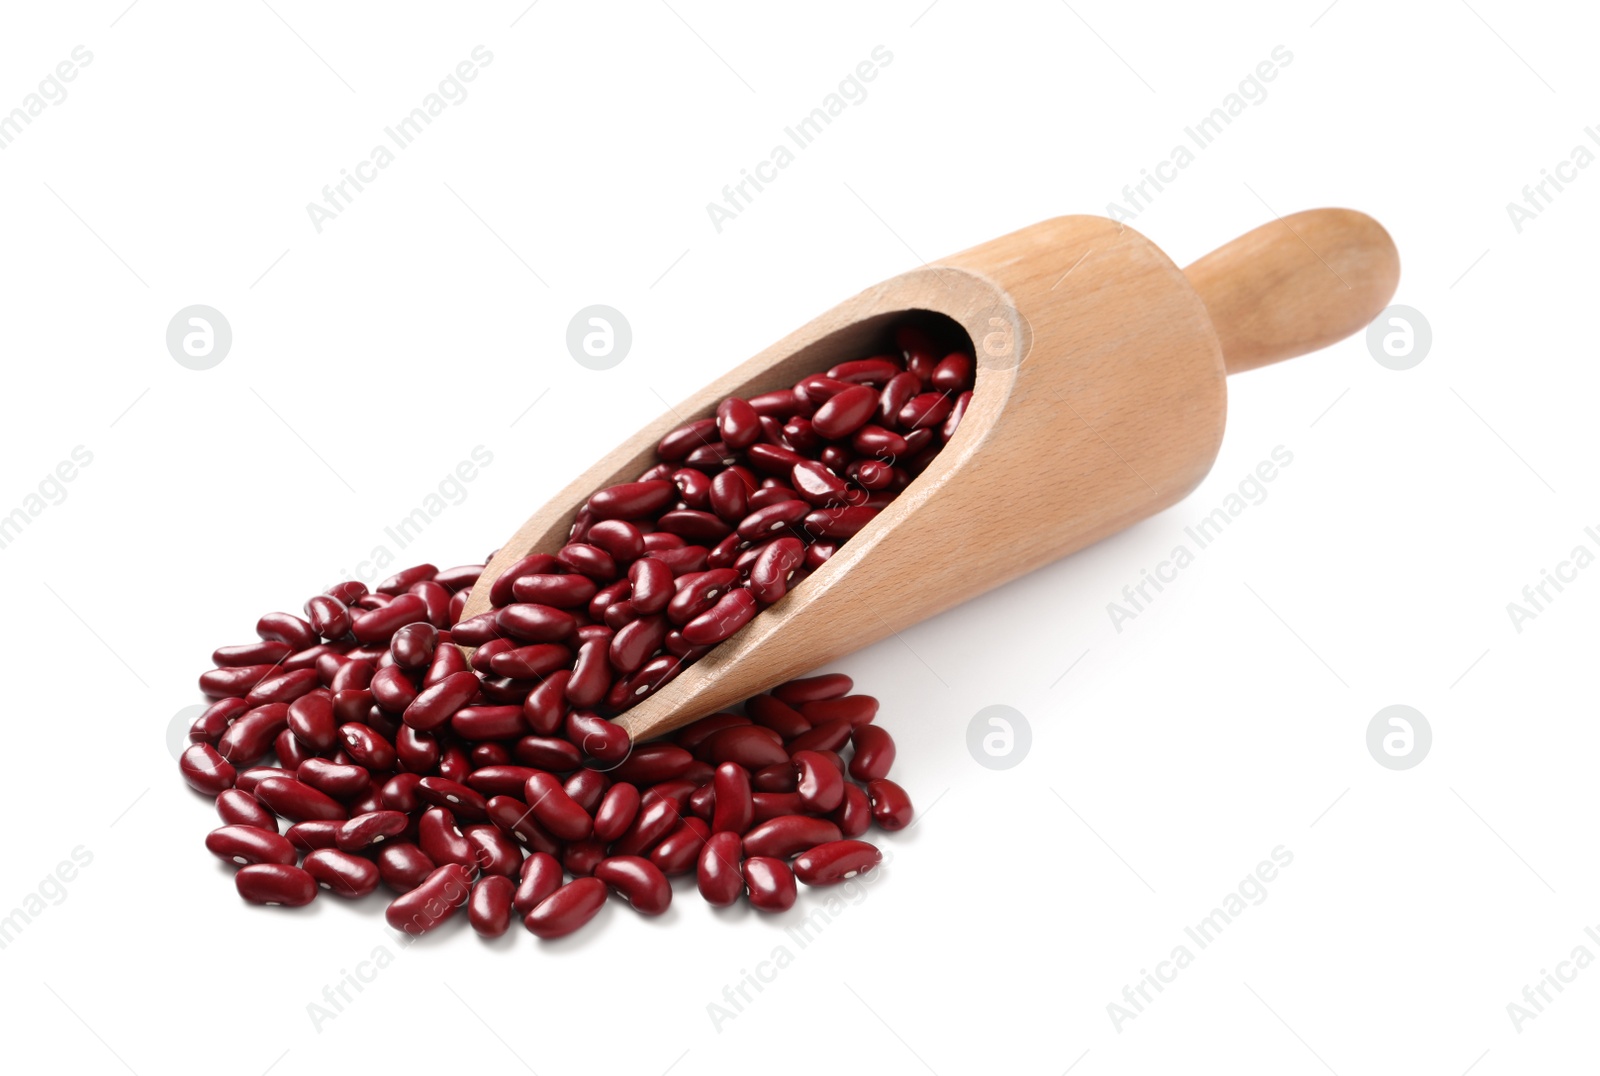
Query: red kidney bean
352, 705
817, 554
766, 806
621, 539
652, 585
813, 689
590, 560
591, 675
366, 830
441, 840
633, 500
378, 625
367, 748
347, 591
342, 874
499, 780
283, 687
640, 882
838, 522
453, 765
533, 623
891, 807
953, 374
247, 780
874, 753
717, 874
874, 474
679, 850
559, 591
773, 519
434, 706
392, 689
772, 713
835, 861
751, 746
298, 802
732, 612
770, 882
567, 909
205, 769
275, 884
677, 792
738, 423
428, 905
403, 866
598, 738
342, 782
579, 857
616, 812
237, 808
653, 763
413, 645
313, 834
438, 601
845, 411
930, 409
496, 852
242, 845
876, 371
516, 818
632, 646
788, 835
548, 753
286, 628
818, 781
455, 797
214, 720
897, 392
780, 778
250, 737
694, 735
953, 420
681, 559
401, 581
654, 821
540, 875
556, 811
734, 810
416, 752
399, 793
234, 680
587, 787
856, 709
263, 652
489, 723
546, 705
310, 719
854, 813
828, 736
489, 907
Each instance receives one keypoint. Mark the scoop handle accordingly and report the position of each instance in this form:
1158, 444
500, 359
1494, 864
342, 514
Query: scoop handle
1296, 284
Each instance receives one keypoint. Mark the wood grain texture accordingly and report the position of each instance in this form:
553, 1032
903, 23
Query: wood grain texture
1296, 284
1100, 399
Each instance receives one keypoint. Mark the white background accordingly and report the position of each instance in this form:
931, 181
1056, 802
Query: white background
1228, 719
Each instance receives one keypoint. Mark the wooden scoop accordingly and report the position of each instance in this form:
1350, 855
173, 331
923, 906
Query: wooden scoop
1099, 400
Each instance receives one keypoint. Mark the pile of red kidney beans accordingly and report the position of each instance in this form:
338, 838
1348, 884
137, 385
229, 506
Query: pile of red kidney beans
474, 763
